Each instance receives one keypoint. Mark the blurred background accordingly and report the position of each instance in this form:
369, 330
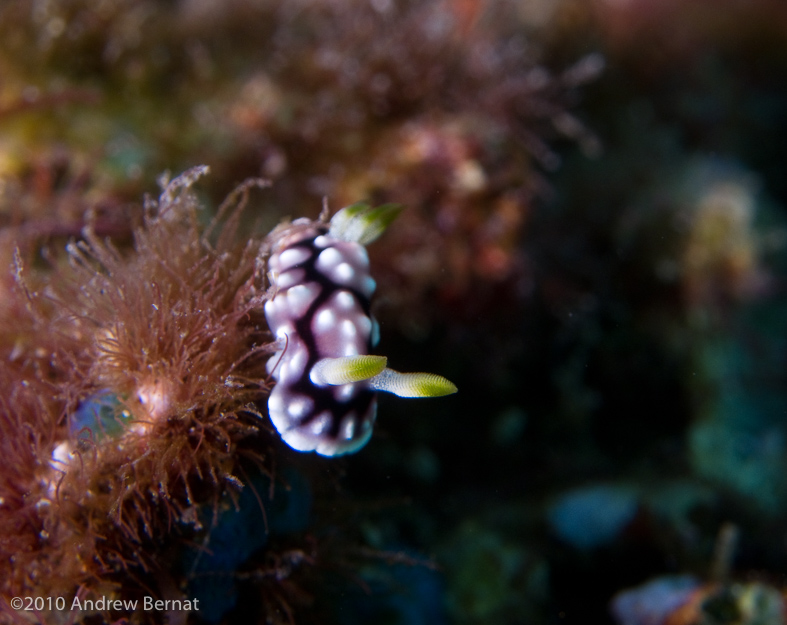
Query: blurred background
593, 249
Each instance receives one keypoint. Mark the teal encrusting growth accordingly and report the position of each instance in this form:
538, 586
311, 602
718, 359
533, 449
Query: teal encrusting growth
399, 594
240, 531
740, 441
594, 516
99, 417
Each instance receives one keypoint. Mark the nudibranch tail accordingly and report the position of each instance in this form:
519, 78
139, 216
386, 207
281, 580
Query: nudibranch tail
412, 384
361, 223
347, 369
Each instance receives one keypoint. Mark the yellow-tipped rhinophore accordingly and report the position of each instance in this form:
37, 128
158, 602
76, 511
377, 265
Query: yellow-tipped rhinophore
347, 369
361, 223
413, 384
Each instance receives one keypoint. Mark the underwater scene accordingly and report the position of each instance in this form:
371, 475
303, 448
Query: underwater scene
393, 312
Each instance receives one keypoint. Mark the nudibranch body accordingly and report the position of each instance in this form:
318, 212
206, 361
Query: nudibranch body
324, 399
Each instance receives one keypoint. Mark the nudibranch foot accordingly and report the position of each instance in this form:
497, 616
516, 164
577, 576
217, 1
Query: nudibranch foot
325, 398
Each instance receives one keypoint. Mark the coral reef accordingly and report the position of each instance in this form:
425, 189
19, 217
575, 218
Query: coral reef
591, 245
129, 395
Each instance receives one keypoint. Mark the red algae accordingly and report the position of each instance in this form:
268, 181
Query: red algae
168, 328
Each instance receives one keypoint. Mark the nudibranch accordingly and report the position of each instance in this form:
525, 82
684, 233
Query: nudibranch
325, 397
